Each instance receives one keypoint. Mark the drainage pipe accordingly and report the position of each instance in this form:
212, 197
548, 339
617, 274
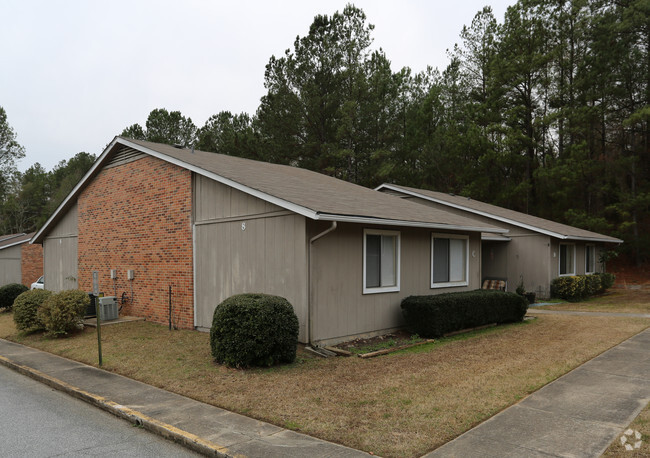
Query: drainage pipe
310, 299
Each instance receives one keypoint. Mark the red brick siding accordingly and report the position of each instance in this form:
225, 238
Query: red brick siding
31, 264
138, 216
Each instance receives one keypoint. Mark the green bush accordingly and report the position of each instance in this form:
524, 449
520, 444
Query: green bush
593, 284
434, 316
606, 281
63, 312
254, 330
25, 307
9, 293
578, 287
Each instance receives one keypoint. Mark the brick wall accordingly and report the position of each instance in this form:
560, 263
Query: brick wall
31, 264
138, 216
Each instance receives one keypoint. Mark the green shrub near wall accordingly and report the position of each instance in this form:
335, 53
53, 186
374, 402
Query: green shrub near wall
436, 315
606, 281
254, 330
63, 312
9, 293
575, 288
26, 307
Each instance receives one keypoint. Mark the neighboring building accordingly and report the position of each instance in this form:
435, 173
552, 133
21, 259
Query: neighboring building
20, 262
535, 250
210, 226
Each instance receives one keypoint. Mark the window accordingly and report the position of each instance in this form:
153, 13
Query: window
380, 261
567, 259
590, 259
449, 262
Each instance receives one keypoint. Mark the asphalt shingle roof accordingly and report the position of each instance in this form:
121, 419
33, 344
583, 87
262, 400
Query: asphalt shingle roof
506, 215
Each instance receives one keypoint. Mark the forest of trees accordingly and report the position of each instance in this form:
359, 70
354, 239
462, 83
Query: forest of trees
546, 111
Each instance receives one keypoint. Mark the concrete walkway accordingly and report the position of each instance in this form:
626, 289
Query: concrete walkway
201, 427
534, 311
577, 415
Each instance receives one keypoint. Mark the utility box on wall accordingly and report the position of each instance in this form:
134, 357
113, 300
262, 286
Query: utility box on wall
108, 306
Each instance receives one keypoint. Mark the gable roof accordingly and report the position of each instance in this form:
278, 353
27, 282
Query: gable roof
500, 214
311, 194
7, 241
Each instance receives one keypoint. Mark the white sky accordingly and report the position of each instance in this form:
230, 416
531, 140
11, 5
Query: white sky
75, 73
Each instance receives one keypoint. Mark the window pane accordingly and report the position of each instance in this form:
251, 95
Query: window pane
457, 259
388, 251
373, 253
570, 249
590, 255
440, 260
566, 259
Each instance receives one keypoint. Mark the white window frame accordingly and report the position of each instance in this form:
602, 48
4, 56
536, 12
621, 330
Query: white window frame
590, 246
382, 289
559, 257
450, 284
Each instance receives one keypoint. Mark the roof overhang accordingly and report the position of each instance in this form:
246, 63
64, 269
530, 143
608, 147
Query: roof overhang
103, 158
493, 237
392, 222
497, 218
14, 244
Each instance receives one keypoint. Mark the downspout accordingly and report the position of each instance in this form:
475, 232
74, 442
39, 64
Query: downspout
310, 332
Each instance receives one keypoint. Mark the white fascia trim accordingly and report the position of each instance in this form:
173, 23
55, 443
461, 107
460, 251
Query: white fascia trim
393, 222
496, 238
593, 239
98, 163
14, 244
471, 210
233, 184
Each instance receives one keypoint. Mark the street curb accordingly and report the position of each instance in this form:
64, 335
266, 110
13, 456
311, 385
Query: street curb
160, 428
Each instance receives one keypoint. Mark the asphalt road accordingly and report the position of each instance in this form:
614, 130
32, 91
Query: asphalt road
38, 421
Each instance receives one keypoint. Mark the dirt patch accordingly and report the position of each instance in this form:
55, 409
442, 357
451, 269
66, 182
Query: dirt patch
393, 340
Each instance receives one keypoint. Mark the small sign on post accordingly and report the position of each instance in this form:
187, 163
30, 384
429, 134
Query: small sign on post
98, 312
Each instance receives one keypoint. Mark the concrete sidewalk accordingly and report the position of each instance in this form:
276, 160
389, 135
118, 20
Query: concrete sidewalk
201, 427
534, 311
579, 414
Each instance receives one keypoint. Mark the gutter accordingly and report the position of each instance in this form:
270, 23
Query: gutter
310, 301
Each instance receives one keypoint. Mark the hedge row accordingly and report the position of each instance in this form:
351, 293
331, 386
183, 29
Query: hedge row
433, 316
578, 287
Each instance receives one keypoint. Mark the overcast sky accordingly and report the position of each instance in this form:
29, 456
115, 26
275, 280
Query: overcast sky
75, 73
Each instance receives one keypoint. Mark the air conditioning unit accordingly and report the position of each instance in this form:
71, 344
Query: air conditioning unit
108, 306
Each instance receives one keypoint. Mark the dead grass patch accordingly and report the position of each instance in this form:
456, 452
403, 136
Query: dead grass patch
640, 424
403, 404
616, 300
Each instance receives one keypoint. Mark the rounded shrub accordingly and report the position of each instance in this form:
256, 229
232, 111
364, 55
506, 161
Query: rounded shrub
9, 293
593, 284
63, 312
606, 281
254, 330
26, 307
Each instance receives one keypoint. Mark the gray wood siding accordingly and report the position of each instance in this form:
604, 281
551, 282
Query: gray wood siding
341, 310
214, 201
60, 258
530, 259
267, 256
10, 265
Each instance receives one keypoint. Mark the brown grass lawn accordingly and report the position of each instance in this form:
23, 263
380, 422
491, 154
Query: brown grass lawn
640, 424
403, 404
616, 300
